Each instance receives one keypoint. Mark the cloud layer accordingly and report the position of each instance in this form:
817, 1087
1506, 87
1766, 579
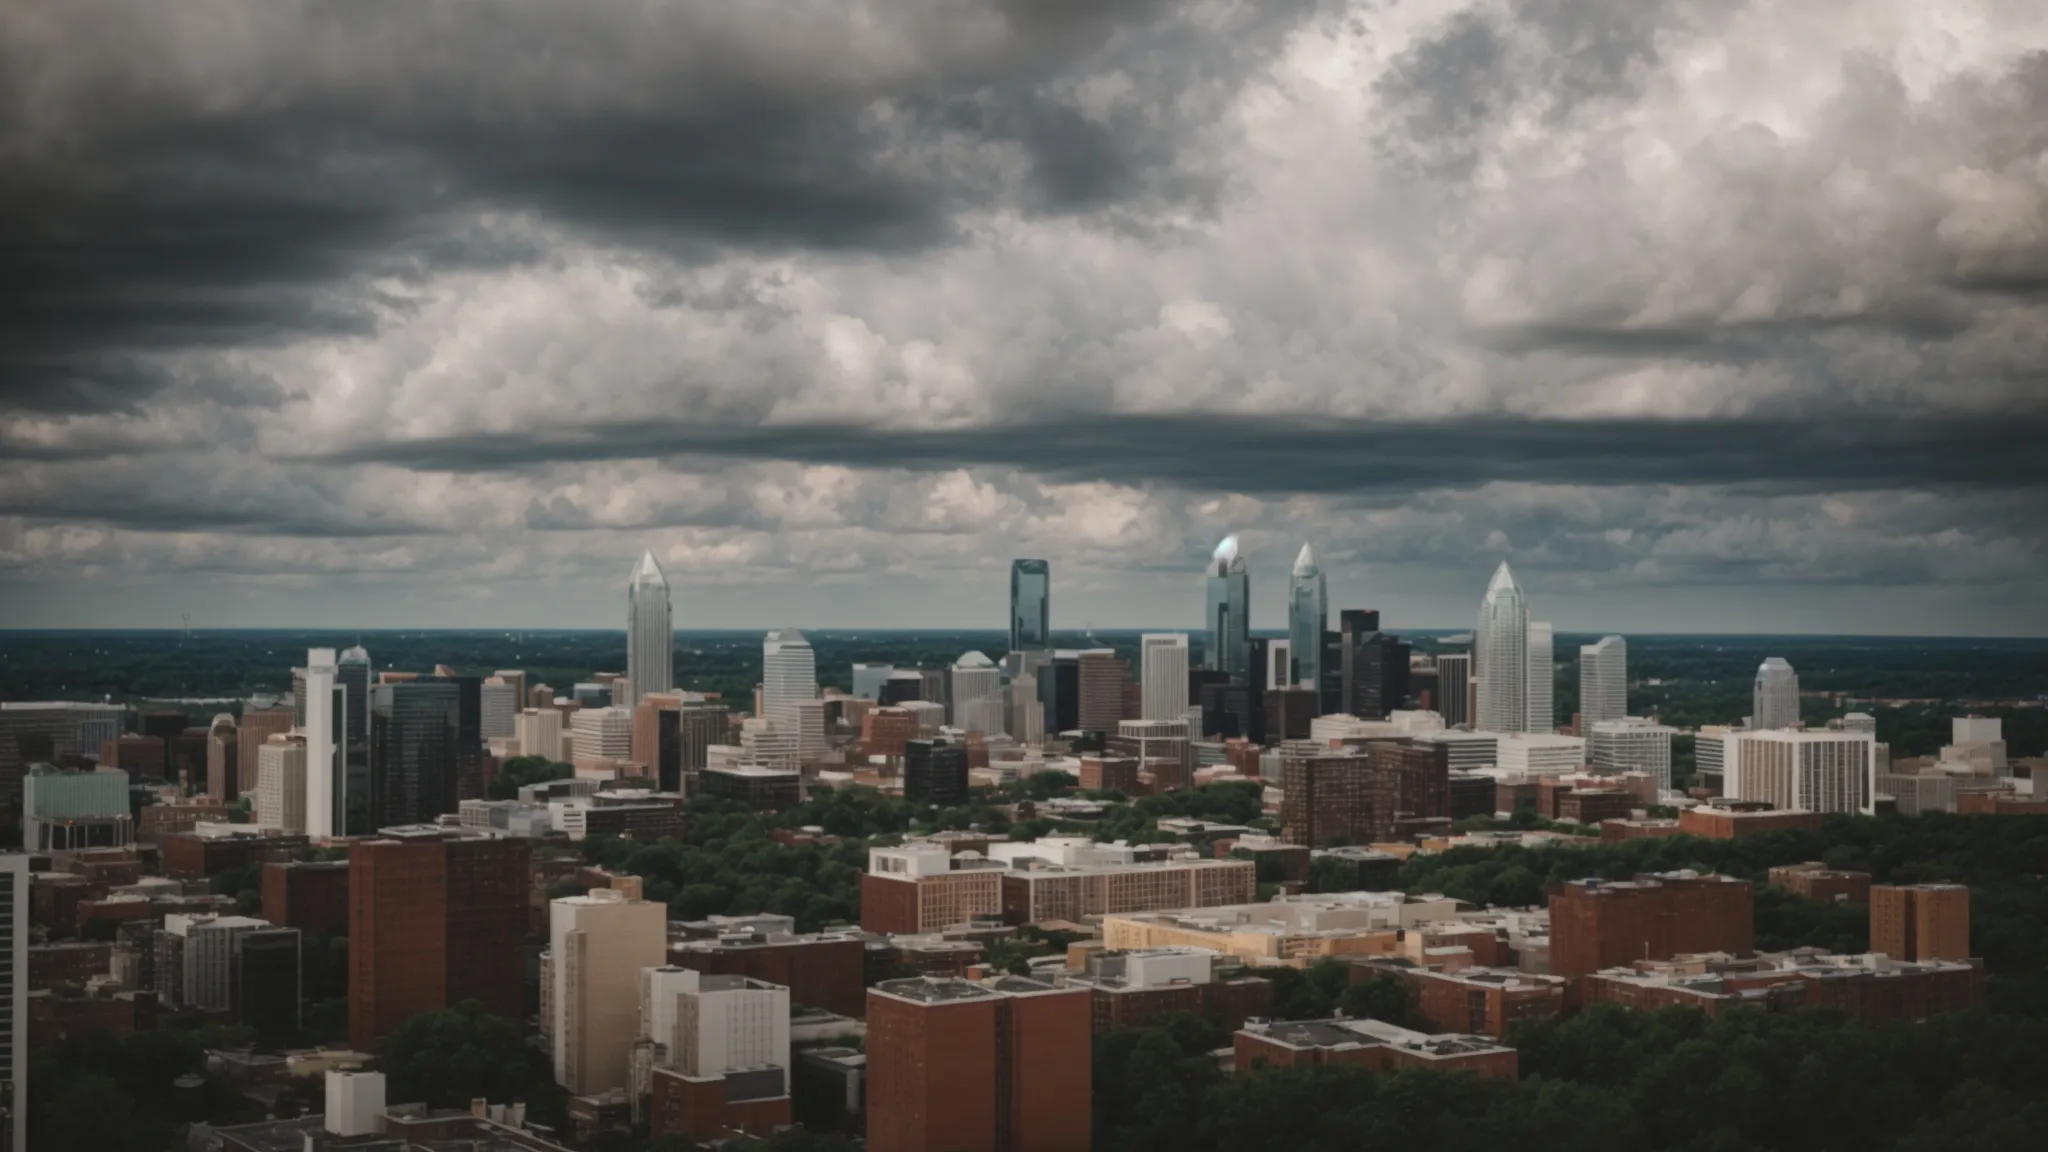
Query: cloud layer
401, 312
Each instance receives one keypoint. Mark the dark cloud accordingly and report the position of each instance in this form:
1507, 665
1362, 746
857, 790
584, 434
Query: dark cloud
1252, 455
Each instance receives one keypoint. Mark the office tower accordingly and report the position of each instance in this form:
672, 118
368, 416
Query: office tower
1810, 771
414, 729
265, 990
1289, 712
257, 726
500, 704
539, 732
902, 686
1308, 614
326, 710
789, 676
597, 946
1027, 713
281, 800
1059, 692
1374, 666
469, 736
980, 1067
1229, 613
978, 695
1163, 672
1775, 703
1336, 798
658, 738
1030, 605
14, 933
701, 724
1916, 922
1454, 688
434, 919
1603, 682
869, 678
1542, 678
1100, 700
1500, 654
718, 1047
935, 772
1631, 744
223, 760
1596, 924
650, 633
601, 735
206, 943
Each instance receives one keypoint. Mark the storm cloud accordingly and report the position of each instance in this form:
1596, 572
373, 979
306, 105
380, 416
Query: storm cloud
432, 311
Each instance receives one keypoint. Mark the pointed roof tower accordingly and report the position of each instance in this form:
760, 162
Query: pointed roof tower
1305, 564
1503, 580
648, 572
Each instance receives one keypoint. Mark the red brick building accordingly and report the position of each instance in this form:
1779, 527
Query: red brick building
1920, 921
821, 970
69, 962
1869, 987
1336, 798
433, 920
955, 1066
1819, 882
1613, 829
886, 731
706, 1108
191, 856
1478, 1001
309, 895
1594, 805
1422, 773
1999, 804
1596, 924
1110, 774
1370, 1044
1730, 823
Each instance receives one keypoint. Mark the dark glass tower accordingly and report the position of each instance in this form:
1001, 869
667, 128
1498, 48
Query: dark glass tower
1030, 605
413, 751
1229, 613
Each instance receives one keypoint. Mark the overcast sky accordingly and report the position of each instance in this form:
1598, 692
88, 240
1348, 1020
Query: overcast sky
1708, 316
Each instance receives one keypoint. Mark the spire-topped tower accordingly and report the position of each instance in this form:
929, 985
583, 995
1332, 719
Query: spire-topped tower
1229, 615
650, 632
1308, 615
1500, 654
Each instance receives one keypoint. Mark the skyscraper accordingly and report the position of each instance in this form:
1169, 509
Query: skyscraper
352, 672
597, 946
978, 694
414, 729
14, 933
650, 633
1308, 612
1030, 605
1229, 613
1603, 682
1100, 689
1775, 703
1542, 678
789, 676
1454, 688
326, 734
1163, 674
1500, 648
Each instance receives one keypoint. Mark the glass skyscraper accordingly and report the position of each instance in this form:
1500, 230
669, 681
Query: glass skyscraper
1500, 651
1030, 605
650, 633
1308, 612
415, 733
1229, 614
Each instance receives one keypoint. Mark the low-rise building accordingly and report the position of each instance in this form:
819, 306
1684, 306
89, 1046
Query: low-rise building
1290, 931
1471, 998
1870, 987
1132, 988
1728, 823
1816, 881
1371, 1044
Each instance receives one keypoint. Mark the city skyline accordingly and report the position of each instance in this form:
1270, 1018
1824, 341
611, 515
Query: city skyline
373, 343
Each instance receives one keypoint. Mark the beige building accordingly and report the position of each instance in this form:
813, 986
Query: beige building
539, 733
1293, 932
281, 796
1810, 771
598, 945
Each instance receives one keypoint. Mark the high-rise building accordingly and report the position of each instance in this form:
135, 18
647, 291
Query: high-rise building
1542, 678
500, 703
601, 735
1373, 666
326, 735
650, 633
1030, 605
14, 934
1228, 618
414, 734
281, 799
978, 695
789, 676
1336, 798
1631, 744
1454, 688
223, 760
935, 772
1810, 771
1500, 653
1059, 692
1027, 713
597, 946
1603, 682
1308, 614
352, 674
435, 918
1917, 922
1775, 703
1596, 924
1100, 699
256, 728
539, 732
1163, 672
717, 1050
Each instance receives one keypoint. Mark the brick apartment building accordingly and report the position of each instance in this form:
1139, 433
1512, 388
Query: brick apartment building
1870, 987
310, 895
1129, 989
1336, 797
1596, 924
1714, 823
821, 970
1920, 921
1479, 1001
199, 855
1370, 1044
1002, 1066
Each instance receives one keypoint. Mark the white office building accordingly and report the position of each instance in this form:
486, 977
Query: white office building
1163, 675
1775, 701
602, 734
1603, 682
704, 1026
789, 676
325, 738
1500, 649
978, 695
208, 945
1860, 722
1808, 771
1632, 744
650, 634
1542, 678
499, 703
284, 788
1468, 751
1539, 753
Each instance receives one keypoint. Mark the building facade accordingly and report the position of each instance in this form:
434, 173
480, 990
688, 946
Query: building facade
1603, 682
1500, 654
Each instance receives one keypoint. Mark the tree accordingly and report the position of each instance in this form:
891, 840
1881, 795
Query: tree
520, 771
446, 1059
1385, 997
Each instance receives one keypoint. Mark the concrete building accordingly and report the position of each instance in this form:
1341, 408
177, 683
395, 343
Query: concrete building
650, 633
1596, 924
597, 946
64, 810
1539, 753
1290, 931
355, 1103
715, 1053
1920, 921
539, 732
955, 1066
1603, 682
1631, 744
1817, 771
1500, 656
978, 695
602, 738
789, 676
500, 705
14, 937
325, 734
1371, 1044
256, 728
1542, 678
1037, 892
1775, 699
281, 799
1163, 672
